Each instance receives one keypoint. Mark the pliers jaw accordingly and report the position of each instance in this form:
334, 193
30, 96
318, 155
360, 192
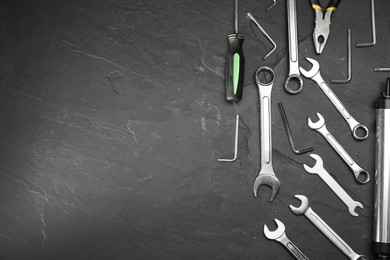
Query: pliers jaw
321, 29
320, 37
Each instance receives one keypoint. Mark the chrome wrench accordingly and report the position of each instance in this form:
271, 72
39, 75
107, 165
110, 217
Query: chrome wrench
266, 175
280, 235
315, 75
304, 209
293, 48
319, 169
361, 176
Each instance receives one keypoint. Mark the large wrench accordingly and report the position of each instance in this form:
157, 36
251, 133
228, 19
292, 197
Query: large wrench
361, 175
266, 175
324, 228
280, 235
293, 48
319, 169
353, 124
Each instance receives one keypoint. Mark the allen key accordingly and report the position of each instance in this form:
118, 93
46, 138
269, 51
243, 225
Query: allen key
272, 5
265, 33
235, 143
343, 81
289, 134
373, 29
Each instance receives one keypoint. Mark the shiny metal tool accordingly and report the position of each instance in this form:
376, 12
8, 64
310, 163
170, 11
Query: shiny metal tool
319, 169
361, 175
289, 134
272, 5
266, 35
294, 74
304, 209
382, 177
322, 23
235, 143
382, 69
266, 175
373, 29
349, 47
280, 235
315, 75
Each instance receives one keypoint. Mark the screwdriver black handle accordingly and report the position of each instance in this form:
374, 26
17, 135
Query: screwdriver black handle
235, 65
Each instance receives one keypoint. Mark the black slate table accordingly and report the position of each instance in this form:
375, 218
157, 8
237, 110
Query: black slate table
113, 116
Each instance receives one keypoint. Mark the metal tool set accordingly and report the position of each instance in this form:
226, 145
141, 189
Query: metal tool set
234, 89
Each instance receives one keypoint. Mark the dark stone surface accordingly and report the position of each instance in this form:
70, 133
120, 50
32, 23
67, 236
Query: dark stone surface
113, 116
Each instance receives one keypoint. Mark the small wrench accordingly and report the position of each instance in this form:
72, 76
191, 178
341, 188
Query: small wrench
293, 48
324, 228
319, 169
362, 176
266, 175
315, 75
280, 235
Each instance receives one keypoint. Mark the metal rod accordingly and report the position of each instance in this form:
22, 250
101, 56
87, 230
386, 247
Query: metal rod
235, 143
236, 16
343, 81
265, 33
382, 69
373, 29
289, 134
272, 5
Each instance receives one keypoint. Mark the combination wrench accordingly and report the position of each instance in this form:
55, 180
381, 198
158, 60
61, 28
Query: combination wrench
304, 209
319, 169
353, 124
280, 235
361, 175
266, 175
293, 48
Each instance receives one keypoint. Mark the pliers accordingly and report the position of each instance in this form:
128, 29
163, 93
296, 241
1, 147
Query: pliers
322, 23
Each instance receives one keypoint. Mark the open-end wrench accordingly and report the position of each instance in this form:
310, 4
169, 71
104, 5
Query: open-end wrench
304, 209
293, 48
319, 169
266, 175
361, 175
315, 75
280, 235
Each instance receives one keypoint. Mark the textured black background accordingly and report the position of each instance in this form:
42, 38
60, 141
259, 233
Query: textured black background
112, 117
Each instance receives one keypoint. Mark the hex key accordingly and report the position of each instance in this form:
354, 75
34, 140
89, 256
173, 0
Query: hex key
289, 134
235, 143
265, 33
373, 29
343, 81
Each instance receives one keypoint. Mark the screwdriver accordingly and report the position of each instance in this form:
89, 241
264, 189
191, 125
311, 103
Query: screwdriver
235, 63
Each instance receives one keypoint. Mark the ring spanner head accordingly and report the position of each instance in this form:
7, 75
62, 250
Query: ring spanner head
317, 125
304, 205
313, 71
276, 233
267, 179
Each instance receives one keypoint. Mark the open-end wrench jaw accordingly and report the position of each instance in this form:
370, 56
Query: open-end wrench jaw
273, 235
313, 71
269, 180
318, 166
316, 125
304, 205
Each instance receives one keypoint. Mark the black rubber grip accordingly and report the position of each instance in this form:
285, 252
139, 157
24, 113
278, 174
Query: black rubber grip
334, 4
381, 250
315, 2
235, 66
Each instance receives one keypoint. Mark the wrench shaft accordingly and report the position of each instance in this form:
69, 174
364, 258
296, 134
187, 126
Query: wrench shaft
339, 191
291, 247
330, 234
